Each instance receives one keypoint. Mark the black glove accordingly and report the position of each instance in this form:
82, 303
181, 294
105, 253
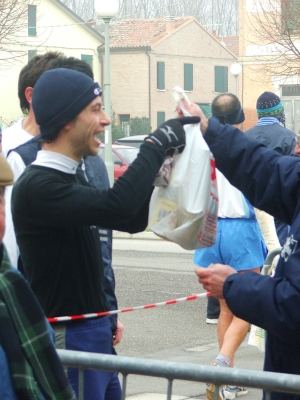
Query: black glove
170, 135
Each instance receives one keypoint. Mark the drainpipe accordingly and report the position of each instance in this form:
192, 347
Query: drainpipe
149, 85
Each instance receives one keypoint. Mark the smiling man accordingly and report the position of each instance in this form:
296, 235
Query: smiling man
56, 212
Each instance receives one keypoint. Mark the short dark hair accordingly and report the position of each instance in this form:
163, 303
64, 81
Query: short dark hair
31, 72
72, 63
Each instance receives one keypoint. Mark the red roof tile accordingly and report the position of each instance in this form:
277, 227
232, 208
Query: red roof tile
231, 43
141, 32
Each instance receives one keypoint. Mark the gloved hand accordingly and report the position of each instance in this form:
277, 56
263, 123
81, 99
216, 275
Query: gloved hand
170, 135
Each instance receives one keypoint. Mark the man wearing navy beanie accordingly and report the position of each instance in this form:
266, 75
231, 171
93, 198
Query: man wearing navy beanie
55, 213
268, 130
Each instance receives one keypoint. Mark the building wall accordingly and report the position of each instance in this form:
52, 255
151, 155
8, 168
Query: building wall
190, 44
252, 82
129, 83
56, 32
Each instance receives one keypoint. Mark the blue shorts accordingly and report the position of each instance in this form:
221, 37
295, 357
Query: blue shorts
93, 336
239, 244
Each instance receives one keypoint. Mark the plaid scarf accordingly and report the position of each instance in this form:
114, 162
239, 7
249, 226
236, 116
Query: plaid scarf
33, 362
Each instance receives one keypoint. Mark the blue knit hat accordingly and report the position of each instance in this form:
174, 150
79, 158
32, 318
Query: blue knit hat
269, 105
59, 96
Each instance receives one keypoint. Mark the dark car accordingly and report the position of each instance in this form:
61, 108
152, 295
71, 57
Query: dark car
135, 141
122, 157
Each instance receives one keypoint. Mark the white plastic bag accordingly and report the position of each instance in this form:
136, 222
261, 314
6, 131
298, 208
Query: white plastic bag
186, 211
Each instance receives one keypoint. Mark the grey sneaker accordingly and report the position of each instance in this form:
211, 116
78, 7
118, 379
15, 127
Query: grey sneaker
231, 392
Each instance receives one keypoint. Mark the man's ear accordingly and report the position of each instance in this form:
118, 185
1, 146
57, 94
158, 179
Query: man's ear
297, 149
28, 94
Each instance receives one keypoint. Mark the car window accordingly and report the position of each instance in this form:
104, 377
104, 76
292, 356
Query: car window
128, 154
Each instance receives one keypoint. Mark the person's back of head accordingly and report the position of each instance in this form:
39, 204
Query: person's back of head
72, 63
269, 105
227, 108
31, 72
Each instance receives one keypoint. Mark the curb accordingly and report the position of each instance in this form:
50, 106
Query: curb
140, 235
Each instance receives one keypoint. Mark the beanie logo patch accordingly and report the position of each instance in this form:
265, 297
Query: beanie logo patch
97, 92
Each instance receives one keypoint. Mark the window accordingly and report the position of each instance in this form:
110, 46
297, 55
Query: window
206, 108
291, 90
88, 59
290, 15
31, 20
124, 118
221, 79
161, 76
161, 117
31, 54
188, 77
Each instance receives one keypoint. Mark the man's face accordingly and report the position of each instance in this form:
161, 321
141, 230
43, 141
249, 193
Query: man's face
2, 213
91, 121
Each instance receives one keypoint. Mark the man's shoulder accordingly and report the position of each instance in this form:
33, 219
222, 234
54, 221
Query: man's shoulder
13, 136
16, 125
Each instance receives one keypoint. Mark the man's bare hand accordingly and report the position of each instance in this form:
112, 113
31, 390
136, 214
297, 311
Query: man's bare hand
213, 278
194, 110
118, 333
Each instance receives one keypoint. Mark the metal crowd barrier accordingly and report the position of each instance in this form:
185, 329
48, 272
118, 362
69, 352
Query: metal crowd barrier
267, 381
268, 262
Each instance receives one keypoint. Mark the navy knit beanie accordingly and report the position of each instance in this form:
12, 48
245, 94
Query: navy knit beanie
59, 96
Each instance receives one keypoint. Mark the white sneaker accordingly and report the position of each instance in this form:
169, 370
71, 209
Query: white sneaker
231, 392
212, 321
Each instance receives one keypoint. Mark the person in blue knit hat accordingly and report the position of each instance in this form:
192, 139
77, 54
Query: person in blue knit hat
56, 213
271, 131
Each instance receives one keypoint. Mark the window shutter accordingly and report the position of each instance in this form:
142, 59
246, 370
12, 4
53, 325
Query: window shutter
88, 59
221, 79
188, 77
160, 75
31, 20
31, 54
161, 117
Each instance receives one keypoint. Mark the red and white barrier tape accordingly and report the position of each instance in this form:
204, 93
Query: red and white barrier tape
104, 313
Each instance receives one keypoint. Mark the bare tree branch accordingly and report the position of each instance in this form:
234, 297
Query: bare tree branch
275, 25
219, 14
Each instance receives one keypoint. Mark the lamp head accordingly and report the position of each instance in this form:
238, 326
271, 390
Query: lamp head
235, 69
106, 8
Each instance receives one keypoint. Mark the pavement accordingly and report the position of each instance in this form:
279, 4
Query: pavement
166, 268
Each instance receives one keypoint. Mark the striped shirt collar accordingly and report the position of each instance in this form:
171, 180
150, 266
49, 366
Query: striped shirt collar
267, 121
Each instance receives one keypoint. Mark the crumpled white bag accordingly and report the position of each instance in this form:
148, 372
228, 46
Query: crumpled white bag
186, 210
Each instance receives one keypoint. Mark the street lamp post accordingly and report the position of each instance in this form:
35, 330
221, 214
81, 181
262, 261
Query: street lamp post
235, 70
107, 10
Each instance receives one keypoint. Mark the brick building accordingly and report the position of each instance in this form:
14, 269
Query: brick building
150, 56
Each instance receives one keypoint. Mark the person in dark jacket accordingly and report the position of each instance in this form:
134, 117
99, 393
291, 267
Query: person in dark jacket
268, 130
56, 213
272, 183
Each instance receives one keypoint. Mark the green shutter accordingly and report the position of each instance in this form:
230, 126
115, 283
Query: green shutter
31, 20
161, 117
88, 59
206, 108
31, 54
290, 12
221, 79
161, 76
188, 77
